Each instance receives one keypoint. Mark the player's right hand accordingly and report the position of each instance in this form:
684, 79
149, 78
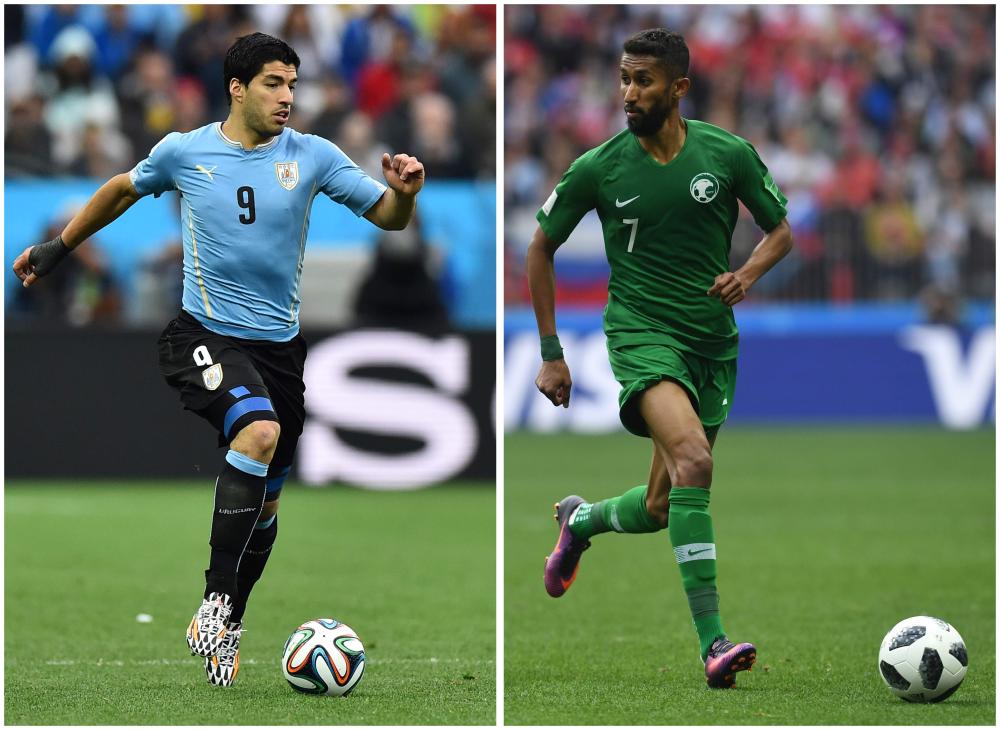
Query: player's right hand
554, 382
36, 261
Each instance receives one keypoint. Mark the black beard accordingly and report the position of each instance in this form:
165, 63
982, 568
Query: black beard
260, 124
651, 122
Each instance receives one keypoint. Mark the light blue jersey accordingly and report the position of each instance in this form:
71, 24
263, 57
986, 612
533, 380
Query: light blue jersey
244, 218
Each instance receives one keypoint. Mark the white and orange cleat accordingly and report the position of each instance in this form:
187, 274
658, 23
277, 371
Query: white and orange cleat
208, 626
222, 668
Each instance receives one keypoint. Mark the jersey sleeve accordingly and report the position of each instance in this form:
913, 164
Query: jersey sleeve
756, 188
574, 196
155, 174
343, 181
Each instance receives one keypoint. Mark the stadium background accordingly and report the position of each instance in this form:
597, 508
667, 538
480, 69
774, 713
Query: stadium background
876, 122
111, 482
854, 484
90, 89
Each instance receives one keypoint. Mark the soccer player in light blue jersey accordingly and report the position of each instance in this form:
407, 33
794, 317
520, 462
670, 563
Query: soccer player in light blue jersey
234, 352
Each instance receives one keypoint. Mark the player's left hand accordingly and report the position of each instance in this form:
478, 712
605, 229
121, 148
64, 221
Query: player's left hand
730, 288
404, 174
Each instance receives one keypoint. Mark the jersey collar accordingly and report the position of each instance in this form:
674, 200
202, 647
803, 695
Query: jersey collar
237, 145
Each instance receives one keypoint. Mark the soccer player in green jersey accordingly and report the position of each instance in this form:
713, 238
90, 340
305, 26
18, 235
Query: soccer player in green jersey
666, 192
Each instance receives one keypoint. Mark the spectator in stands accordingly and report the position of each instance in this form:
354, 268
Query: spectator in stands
370, 37
337, 104
117, 41
842, 231
356, 137
303, 30
466, 40
477, 125
201, 49
55, 19
436, 137
28, 142
190, 109
396, 126
398, 290
103, 153
378, 79
147, 96
895, 243
159, 284
81, 97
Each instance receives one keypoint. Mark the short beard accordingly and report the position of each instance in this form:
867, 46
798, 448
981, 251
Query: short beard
259, 125
651, 122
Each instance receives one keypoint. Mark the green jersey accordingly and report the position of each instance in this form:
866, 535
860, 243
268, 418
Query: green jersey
667, 232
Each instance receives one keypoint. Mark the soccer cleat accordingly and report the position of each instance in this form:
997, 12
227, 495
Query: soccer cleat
562, 564
725, 659
208, 627
222, 668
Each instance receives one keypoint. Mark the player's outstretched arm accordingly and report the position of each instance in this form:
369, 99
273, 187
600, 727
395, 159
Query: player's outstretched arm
405, 176
111, 200
553, 380
732, 287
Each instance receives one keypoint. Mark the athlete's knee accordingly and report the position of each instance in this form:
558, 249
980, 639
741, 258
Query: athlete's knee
269, 510
693, 464
258, 440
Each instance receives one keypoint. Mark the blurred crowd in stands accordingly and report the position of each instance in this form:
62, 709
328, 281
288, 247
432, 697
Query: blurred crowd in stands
91, 88
877, 122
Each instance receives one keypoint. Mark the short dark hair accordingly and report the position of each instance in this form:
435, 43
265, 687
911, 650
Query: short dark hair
665, 46
247, 56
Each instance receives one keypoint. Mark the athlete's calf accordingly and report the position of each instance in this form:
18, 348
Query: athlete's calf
239, 498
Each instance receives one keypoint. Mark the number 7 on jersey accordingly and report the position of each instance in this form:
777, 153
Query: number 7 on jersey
634, 222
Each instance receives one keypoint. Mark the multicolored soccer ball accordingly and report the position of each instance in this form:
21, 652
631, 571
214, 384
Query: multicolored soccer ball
323, 657
923, 659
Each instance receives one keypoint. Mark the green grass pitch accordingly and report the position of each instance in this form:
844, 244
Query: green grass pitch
826, 538
412, 572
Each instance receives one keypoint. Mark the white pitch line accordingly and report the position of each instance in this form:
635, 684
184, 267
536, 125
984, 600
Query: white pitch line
194, 660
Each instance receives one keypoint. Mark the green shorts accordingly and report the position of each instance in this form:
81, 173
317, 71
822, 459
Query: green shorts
710, 384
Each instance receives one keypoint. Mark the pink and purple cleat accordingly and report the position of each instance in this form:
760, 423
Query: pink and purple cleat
725, 659
562, 564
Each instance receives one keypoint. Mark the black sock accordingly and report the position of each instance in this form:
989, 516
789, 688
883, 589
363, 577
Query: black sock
239, 497
253, 562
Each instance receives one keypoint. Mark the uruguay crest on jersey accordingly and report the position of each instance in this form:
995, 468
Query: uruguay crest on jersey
288, 174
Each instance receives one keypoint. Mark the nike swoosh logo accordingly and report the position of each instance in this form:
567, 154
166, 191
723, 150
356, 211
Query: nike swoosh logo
199, 168
622, 205
695, 552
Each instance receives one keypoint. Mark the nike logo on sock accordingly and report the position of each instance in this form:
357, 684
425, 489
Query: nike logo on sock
695, 551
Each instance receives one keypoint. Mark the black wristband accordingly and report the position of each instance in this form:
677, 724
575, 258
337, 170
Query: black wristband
551, 349
46, 256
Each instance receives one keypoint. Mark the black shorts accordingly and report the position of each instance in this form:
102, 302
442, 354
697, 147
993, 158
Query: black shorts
231, 382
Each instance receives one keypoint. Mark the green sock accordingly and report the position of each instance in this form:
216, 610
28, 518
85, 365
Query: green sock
694, 547
626, 513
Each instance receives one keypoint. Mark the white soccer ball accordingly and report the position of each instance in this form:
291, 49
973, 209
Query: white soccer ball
923, 659
323, 657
